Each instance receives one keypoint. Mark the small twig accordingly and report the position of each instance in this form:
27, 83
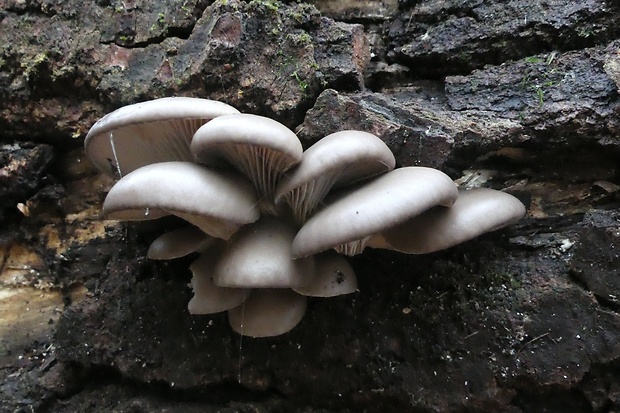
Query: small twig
471, 335
540, 337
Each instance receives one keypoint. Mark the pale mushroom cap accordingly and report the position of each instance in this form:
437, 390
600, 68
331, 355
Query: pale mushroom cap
334, 276
209, 298
268, 313
374, 207
216, 203
259, 256
178, 243
261, 148
475, 212
153, 131
338, 159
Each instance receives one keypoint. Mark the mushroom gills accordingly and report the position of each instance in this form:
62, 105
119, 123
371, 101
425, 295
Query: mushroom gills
143, 133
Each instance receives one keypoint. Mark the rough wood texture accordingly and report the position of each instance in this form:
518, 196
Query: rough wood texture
522, 96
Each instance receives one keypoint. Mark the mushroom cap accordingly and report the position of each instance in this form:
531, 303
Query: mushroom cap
372, 208
334, 276
475, 212
338, 159
178, 243
268, 313
261, 148
148, 132
209, 298
217, 203
259, 256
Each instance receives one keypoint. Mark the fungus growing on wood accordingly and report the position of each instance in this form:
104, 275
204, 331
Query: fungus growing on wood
266, 234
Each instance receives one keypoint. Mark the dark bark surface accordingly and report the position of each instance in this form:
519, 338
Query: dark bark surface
521, 96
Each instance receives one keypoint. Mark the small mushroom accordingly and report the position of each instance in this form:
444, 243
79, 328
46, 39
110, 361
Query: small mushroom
475, 212
334, 276
178, 243
259, 256
209, 298
148, 132
268, 313
217, 203
349, 223
338, 159
259, 147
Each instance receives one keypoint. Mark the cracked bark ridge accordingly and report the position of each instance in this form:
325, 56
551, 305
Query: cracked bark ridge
482, 117
351, 10
262, 57
596, 259
412, 121
521, 320
23, 171
455, 37
488, 329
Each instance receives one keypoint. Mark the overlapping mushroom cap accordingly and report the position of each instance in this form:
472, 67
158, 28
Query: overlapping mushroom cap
268, 219
474, 212
261, 148
339, 159
148, 132
348, 223
217, 203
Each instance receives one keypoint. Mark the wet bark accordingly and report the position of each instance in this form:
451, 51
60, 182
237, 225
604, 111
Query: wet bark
516, 96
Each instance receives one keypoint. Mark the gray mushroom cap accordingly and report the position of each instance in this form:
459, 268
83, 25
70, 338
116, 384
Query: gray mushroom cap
178, 243
259, 256
349, 222
334, 276
261, 148
268, 312
338, 159
209, 298
217, 203
475, 212
148, 132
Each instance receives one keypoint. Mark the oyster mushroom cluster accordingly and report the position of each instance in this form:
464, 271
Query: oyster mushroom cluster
271, 222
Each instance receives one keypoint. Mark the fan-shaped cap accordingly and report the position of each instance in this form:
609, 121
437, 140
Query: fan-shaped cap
208, 297
216, 203
259, 256
178, 243
475, 212
334, 276
259, 147
338, 159
268, 313
153, 131
375, 206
